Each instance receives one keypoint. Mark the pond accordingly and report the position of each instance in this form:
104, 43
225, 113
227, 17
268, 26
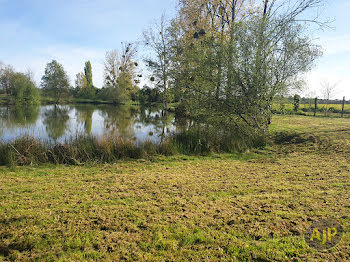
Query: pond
59, 123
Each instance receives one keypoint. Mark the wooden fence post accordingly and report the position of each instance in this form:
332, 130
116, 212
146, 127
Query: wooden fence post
315, 106
342, 109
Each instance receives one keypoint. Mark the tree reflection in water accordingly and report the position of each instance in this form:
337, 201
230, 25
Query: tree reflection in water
119, 121
84, 115
56, 121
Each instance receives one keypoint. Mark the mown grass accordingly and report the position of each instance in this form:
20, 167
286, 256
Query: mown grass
222, 207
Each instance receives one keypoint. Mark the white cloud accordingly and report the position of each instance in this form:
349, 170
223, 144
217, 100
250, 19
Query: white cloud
336, 45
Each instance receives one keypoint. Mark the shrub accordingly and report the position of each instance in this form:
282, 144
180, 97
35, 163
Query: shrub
25, 92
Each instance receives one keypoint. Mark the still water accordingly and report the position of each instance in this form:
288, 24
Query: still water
58, 123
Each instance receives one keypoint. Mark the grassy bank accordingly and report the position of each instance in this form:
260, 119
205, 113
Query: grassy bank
250, 207
79, 150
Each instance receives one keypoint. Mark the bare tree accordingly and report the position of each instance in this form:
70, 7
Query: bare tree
7, 73
112, 64
30, 74
328, 90
157, 39
127, 64
119, 71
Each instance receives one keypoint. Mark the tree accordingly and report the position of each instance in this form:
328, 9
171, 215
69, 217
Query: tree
111, 73
7, 74
29, 73
20, 86
127, 76
80, 83
25, 92
88, 74
90, 91
119, 73
235, 56
83, 83
158, 40
55, 81
328, 91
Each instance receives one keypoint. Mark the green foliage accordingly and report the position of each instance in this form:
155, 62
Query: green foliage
113, 95
296, 103
227, 72
55, 81
88, 74
84, 87
149, 95
125, 86
209, 139
25, 93
81, 86
119, 74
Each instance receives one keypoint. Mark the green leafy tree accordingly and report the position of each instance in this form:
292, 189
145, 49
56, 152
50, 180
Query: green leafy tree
90, 91
80, 84
55, 81
88, 74
25, 93
234, 57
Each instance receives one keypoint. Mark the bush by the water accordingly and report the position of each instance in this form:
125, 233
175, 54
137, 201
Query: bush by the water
89, 149
81, 149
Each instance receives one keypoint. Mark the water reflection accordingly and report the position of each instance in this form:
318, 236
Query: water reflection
84, 116
119, 120
160, 120
20, 116
56, 121
61, 122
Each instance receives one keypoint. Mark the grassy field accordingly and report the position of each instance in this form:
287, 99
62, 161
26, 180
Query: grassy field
333, 109
252, 207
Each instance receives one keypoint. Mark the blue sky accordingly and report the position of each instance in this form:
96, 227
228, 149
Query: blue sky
33, 32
